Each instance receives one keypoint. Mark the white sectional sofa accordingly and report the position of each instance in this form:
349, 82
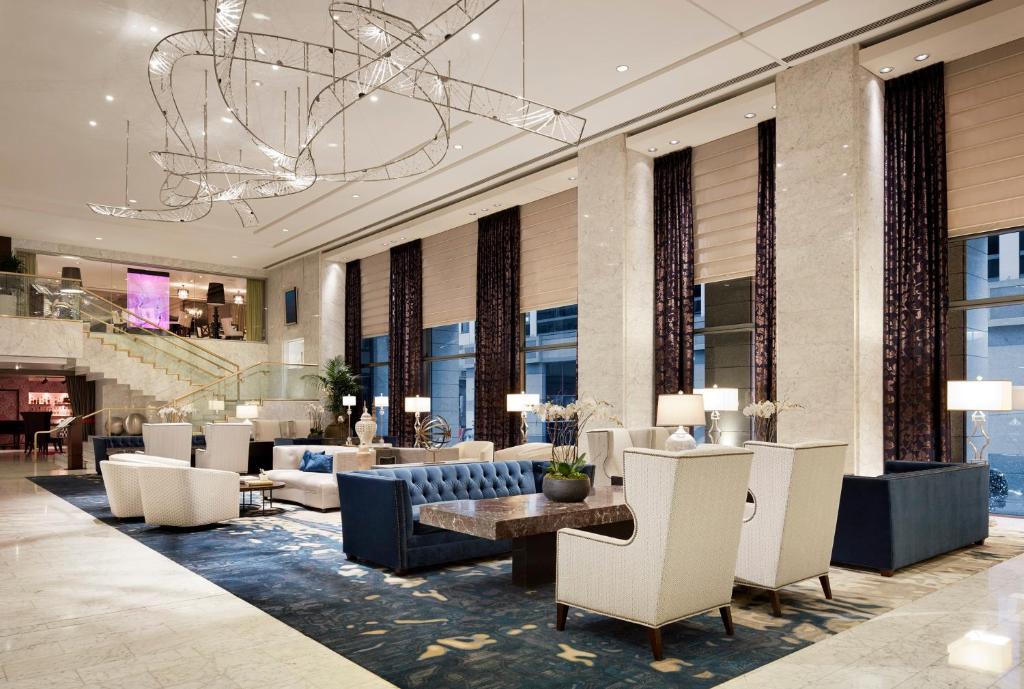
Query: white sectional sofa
313, 489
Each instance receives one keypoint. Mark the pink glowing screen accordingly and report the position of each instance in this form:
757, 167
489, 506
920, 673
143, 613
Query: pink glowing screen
149, 297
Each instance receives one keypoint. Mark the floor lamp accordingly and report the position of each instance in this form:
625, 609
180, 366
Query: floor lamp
348, 401
380, 402
979, 396
716, 401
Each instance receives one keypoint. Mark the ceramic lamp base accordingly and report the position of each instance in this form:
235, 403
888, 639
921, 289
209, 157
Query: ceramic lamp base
680, 441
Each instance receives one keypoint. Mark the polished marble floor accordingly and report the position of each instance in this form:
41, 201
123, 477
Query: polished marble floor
63, 625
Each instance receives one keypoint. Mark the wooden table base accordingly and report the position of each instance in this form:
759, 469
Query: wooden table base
534, 557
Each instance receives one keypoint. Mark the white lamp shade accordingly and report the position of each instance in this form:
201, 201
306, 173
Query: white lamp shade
979, 395
719, 399
417, 404
521, 401
216, 405
380, 401
247, 411
348, 401
680, 410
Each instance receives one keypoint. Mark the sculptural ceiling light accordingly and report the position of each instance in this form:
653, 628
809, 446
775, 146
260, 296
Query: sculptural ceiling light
387, 53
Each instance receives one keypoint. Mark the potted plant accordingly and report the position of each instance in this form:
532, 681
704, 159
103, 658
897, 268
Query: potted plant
317, 419
336, 381
564, 480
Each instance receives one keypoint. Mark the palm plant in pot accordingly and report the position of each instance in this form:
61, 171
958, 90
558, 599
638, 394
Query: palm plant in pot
564, 480
336, 381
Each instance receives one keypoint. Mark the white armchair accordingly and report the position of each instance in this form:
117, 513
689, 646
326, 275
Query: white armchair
121, 481
227, 447
606, 446
185, 497
524, 451
788, 535
476, 449
172, 440
680, 561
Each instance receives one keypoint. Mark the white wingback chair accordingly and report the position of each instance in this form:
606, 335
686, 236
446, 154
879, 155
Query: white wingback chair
173, 440
227, 447
184, 497
788, 535
476, 449
680, 561
121, 481
605, 447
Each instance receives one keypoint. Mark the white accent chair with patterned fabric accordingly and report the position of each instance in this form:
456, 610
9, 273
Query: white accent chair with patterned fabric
187, 497
227, 447
605, 447
524, 451
482, 450
681, 558
121, 481
172, 440
787, 536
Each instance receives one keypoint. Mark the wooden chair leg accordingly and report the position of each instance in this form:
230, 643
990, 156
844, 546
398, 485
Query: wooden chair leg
654, 636
886, 572
726, 612
826, 586
776, 603
561, 612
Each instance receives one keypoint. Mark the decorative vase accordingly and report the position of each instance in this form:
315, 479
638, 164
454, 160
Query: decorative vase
566, 489
133, 424
366, 428
115, 425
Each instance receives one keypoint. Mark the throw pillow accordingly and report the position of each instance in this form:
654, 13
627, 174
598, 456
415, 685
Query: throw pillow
316, 462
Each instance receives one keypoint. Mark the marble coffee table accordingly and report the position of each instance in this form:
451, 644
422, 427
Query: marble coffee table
532, 521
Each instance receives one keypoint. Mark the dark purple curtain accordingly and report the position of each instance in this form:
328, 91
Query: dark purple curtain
673, 273
915, 420
405, 342
497, 326
764, 267
353, 315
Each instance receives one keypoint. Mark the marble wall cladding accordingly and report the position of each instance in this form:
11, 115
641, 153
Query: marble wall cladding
332, 310
616, 268
829, 257
303, 273
243, 353
35, 338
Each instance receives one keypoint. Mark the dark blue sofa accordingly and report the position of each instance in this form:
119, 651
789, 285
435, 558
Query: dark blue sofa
380, 510
913, 512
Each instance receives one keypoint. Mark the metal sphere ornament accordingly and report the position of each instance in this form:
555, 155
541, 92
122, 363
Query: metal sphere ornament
434, 433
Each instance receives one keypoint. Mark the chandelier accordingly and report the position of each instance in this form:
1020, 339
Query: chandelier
388, 53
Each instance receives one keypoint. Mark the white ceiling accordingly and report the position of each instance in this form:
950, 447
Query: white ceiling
62, 57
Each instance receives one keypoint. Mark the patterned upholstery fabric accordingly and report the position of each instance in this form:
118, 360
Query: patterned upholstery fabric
680, 561
227, 447
172, 440
121, 481
185, 497
525, 451
796, 490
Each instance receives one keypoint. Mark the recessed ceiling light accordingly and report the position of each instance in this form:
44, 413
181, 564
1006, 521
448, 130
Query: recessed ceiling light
472, 212
497, 205
673, 142
773, 107
109, 98
750, 115
261, 51
403, 239
132, 201
257, 82
234, 257
355, 196
846, 145
332, 145
457, 147
572, 178
886, 70
652, 149
922, 57
153, 29
275, 67
622, 68
99, 239
92, 123
475, 36
226, 120
374, 97
260, 16
284, 229
71, 258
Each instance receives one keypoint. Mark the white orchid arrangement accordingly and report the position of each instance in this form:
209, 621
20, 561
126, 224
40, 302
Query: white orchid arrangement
564, 425
766, 416
172, 414
318, 418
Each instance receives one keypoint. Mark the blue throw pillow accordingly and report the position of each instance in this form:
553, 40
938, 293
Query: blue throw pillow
317, 462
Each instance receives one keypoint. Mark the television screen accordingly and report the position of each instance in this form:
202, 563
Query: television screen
149, 298
291, 306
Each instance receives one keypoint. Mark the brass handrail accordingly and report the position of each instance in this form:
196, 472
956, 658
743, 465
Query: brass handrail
161, 351
236, 375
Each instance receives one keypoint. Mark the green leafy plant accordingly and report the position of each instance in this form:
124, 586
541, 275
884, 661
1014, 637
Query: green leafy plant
12, 264
336, 381
571, 469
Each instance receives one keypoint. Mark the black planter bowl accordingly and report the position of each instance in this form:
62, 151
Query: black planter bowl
566, 489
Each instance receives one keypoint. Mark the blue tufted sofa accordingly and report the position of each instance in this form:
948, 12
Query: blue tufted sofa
380, 509
104, 445
913, 512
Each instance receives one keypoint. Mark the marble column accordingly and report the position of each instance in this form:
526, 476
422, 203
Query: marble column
616, 279
332, 310
829, 257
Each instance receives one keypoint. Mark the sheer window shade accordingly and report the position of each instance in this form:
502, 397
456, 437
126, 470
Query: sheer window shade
725, 206
449, 276
985, 140
548, 271
376, 271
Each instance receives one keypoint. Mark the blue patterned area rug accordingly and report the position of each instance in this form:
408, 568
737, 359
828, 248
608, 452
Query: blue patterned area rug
467, 625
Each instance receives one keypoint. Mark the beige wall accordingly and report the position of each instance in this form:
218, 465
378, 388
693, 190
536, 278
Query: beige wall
303, 273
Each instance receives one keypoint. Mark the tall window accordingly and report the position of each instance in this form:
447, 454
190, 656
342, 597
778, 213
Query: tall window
549, 359
373, 376
450, 361
986, 339
723, 346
